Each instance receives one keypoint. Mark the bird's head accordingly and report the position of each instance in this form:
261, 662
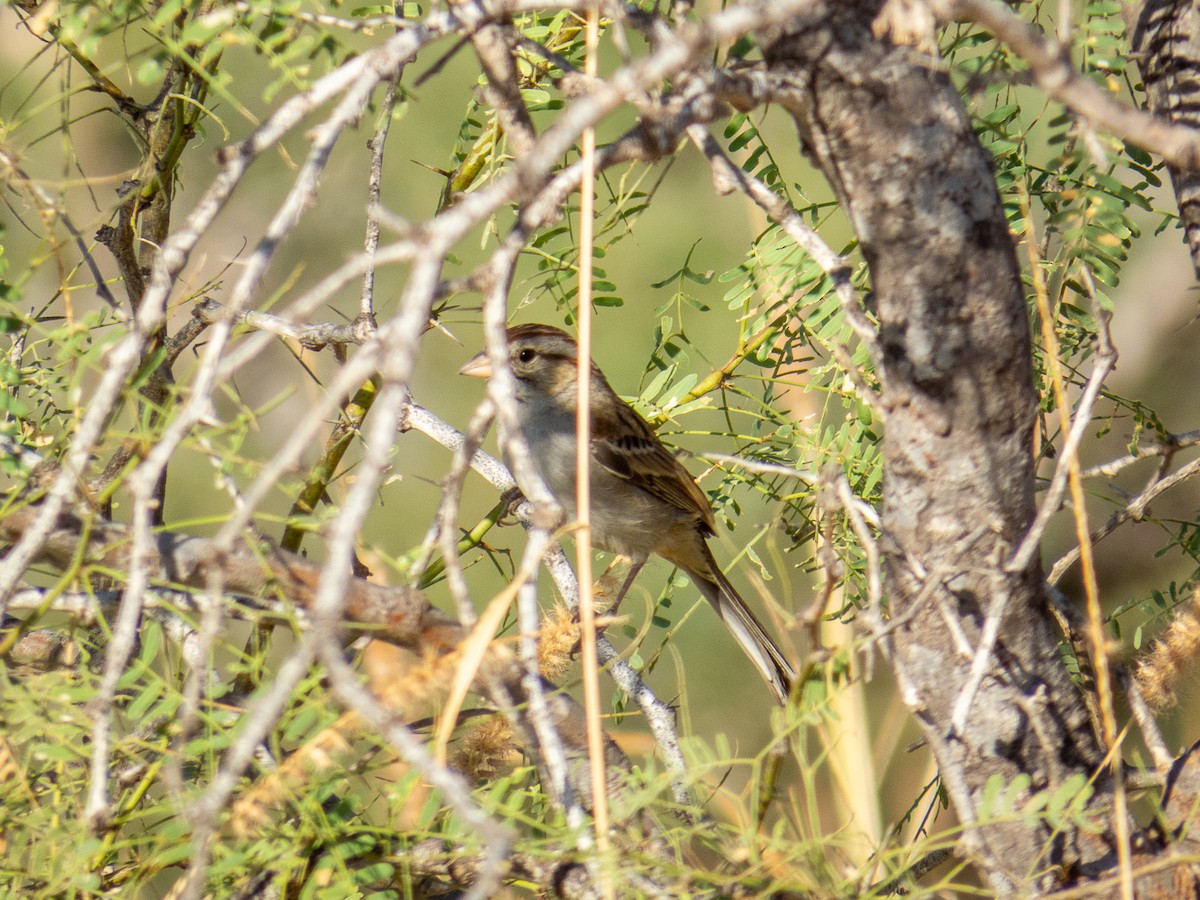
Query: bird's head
543, 359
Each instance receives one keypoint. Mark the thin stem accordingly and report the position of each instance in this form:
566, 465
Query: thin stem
1104, 680
583, 496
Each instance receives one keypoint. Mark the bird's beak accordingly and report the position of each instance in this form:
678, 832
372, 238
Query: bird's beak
478, 366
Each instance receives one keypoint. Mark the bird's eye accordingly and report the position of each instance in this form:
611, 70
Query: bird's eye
526, 355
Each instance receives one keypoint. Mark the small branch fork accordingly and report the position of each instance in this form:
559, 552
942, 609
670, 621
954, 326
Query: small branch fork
311, 336
168, 263
1159, 483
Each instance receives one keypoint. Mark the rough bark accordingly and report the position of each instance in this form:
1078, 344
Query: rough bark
893, 139
1166, 42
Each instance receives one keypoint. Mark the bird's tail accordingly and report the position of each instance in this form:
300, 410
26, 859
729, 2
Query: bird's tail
745, 627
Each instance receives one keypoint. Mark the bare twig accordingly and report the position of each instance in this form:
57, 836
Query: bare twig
1147, 724
766, 468
1135, 509
549, 740
97, 812
447, 514
366, 306
328, 613
858, 511
313, 336
1168, 447
14, 450
1106, 358
51, 211
494, 44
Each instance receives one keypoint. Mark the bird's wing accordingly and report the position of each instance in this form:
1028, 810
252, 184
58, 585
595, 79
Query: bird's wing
627, 447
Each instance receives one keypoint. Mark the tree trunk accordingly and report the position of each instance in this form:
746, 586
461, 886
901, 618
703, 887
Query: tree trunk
895, 142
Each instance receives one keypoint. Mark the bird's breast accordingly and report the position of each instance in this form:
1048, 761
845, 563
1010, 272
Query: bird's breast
624, 518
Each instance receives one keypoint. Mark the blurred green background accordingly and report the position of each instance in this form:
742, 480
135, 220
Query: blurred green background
687, 222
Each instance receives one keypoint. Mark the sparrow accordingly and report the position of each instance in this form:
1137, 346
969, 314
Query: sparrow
643, 500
